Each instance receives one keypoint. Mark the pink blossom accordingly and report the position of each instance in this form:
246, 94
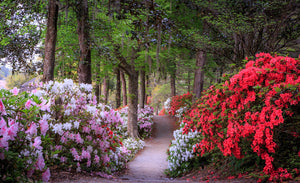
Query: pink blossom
30, 172
44, 126
15, 91
12, 130
85, 154
32, 130
97, 159
58, 147
4, 142
105, 159
63, 139
88, 164
40, 164
79, 139
28, 104
44, 106
63, 159
37, 143
75, 154
2, 108
46, 175
2, 124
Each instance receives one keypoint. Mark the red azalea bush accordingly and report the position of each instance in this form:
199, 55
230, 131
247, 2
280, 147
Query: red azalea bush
179, 101
259, 106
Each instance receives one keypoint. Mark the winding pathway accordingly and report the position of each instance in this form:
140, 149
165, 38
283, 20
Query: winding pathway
150, 163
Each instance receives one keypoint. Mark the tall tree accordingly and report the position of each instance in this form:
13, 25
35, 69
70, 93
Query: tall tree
199, 73
50, 41
118, 88
106, 89
84, 66
124, 88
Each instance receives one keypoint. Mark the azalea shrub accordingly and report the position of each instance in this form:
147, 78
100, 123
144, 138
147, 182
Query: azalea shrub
23, 133
255, 110
60, 125
84, 132
181, 157
178, 104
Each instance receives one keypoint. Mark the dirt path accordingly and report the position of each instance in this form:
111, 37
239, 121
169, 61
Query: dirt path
148, 165
151, 162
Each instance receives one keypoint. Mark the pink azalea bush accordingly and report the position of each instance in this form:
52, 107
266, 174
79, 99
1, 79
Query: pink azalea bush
84, 131
23, 128
60, 124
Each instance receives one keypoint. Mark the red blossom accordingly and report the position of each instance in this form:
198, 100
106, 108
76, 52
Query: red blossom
267, 81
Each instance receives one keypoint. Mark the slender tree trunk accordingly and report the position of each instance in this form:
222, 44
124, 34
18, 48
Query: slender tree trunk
97, 87
158, 44
50, 41
124, 90
173, 84
132, 127
118, 89
84, 66
106, 89
142, 87
189, 82
199, 73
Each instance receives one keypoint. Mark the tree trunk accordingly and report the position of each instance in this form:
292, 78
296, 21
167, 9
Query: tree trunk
50, 41
142, 88
124, 90
132, 127
199, 73
158, 44
97, 87
84, 66
118, 89
106, 89
189, 82
173, 84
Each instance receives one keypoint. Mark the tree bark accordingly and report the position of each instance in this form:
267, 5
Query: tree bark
106, 89
124, 90
142, 88
50, 41
199, 73
173, 84
97, 87
158, 44
118, 89
132, 127
84, 66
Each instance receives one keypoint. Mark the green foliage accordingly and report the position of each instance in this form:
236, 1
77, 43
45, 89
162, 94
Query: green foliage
17, 80
160, 94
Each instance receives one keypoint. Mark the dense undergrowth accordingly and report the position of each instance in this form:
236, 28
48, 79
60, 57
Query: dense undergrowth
249, 124
61, 126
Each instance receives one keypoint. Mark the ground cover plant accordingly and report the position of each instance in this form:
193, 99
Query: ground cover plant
253, 118
60, 125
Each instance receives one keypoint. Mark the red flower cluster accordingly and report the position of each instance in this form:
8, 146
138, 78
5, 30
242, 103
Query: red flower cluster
248, 106
179, 101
